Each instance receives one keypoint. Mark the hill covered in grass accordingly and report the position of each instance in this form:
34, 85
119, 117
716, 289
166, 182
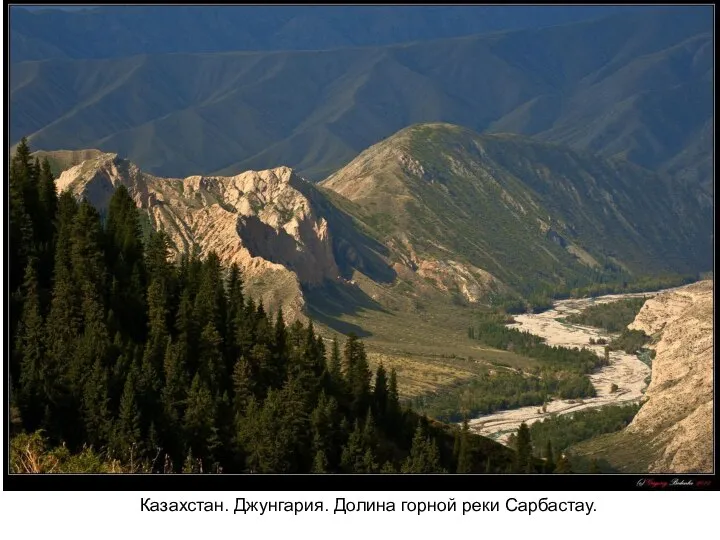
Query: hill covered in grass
468, 210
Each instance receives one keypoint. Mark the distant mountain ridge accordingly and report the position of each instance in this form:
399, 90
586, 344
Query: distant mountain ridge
114, 32
641, 88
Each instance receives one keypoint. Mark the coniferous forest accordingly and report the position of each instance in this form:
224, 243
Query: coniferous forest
121, 356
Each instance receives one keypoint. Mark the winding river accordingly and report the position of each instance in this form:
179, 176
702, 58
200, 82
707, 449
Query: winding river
627, 371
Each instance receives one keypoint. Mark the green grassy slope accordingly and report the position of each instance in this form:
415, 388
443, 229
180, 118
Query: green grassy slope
526, 211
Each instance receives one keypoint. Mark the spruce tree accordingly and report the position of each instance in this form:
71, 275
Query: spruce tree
549, 458
233, 316
243, 385
464, 454
424, 455
368, 464
523, 456
36, 381
335, 364
393, 412
48, 202
21, 192
199, 421
320, 462
278, 373
357, 373
127, 437
380, 393
211, 360
353, 453
96, 404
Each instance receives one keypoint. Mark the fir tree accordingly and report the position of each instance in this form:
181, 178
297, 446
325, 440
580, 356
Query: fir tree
243, 385
380, 392
464, 457
35, 385
357, 374
335, 364
523, 459
96, 406
199, 421
320, 462
424, 455
127, 439
549, 458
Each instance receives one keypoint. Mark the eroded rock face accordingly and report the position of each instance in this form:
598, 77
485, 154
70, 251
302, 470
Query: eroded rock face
678, 414
472, 283
258, 219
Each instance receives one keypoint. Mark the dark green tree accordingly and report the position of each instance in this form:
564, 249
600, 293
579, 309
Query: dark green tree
524, 457
464, 453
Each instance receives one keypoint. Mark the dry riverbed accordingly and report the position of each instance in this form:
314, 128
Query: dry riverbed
625, 370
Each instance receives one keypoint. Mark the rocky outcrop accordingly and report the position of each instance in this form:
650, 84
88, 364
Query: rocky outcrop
677, 417
258, 219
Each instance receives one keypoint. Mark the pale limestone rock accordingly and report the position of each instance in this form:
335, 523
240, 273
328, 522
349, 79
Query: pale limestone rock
258, 219
678, 414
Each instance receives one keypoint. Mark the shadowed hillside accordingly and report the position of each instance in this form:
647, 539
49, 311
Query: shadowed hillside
640, 89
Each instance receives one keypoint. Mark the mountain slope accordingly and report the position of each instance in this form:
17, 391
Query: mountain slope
527, 212
111, 32
272, 223
673, 431
641, 89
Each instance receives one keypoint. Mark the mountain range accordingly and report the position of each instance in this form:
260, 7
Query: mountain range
434, 212
637, 85
39, 33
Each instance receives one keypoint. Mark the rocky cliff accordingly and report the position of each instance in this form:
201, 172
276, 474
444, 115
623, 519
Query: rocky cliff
261, 220
678, 415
